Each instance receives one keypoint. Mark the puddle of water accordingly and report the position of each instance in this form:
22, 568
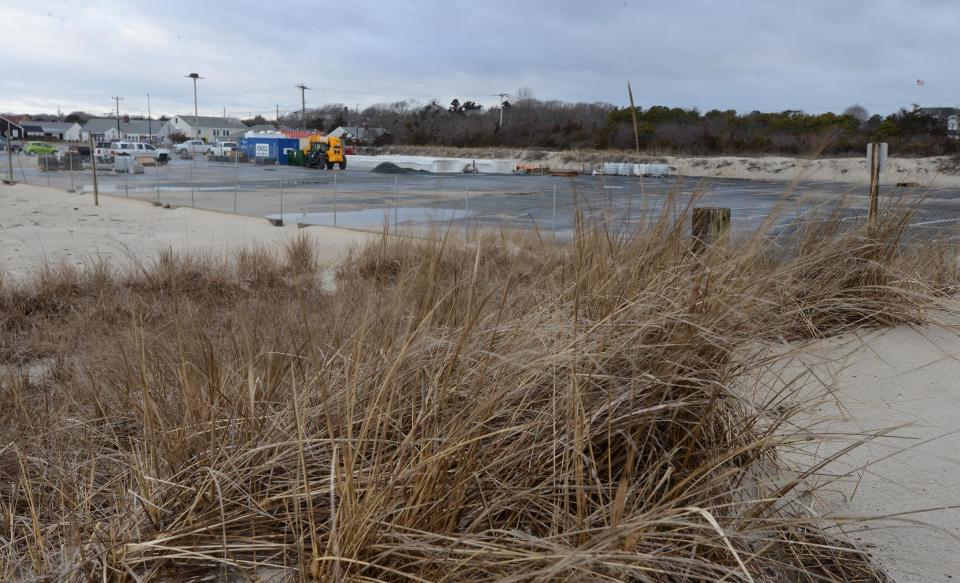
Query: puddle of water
374, 218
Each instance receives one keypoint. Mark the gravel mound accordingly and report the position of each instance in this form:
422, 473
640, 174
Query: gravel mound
391, 168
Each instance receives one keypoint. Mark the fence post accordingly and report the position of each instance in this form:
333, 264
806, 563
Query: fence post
334, 200
73, 187
193, 199
396, 204
280, 167
126, 174
158, 181
554, 209
709, 225
10, 157
46, 167
93, 164
466, 210
874, 179
236, 177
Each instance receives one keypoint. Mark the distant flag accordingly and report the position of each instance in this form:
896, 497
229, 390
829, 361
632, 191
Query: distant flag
920, 83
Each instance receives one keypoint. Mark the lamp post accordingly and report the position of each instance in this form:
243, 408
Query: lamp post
196, 124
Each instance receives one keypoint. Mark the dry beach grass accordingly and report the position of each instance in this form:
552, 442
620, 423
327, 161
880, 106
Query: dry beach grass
507, 409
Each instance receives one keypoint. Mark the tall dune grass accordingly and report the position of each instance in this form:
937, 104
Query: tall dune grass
504, 409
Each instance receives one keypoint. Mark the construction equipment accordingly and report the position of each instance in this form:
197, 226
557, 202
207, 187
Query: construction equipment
325, 152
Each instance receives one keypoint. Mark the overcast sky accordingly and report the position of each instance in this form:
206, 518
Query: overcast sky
814, 55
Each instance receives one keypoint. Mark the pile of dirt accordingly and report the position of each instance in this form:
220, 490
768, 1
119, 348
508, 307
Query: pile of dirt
391, 168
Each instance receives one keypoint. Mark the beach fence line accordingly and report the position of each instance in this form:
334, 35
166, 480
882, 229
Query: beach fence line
371, 201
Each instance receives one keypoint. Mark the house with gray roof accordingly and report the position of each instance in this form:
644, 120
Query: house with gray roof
950, 116
209, 128
69, 132
104, 129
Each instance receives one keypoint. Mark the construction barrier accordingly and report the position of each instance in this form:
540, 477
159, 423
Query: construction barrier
435, 165
630, 169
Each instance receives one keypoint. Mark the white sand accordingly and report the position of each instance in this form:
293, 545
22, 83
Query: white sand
40, 225
925, 172
930, 171
905, 380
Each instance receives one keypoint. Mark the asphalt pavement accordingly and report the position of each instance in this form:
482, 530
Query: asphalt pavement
362, 199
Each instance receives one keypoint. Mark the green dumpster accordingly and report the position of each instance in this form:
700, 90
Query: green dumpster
295, 157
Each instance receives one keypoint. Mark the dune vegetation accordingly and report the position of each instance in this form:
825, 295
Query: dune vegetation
510, 408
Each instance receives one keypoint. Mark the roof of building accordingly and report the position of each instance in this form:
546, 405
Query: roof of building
362, 133
940, 111
100, 125
54, 127
260, 127
209, 121
301, 134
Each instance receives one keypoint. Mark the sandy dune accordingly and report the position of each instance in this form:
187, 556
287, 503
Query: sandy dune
904, 378
43, 224
930, 171
903, 383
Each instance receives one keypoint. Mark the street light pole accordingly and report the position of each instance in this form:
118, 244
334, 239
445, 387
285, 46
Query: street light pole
196, 123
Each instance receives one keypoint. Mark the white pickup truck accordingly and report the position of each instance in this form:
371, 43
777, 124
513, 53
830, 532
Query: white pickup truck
192, 147
223, 149
140, 150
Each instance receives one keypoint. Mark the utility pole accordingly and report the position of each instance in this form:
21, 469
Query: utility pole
303, 104
196, 116
149, 120
118, 100
278, 117
502, 97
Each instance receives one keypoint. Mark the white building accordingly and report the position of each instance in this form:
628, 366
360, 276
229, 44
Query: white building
104, 129
209, 128
72, 134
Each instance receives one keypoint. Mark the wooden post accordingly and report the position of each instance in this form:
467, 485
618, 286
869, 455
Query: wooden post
709, 225
633, 112
93, 162
874, 180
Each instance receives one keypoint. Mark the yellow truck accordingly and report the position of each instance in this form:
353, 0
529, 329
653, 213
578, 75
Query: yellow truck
325, 152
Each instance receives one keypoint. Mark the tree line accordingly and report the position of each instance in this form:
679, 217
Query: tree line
532, 123
557, 125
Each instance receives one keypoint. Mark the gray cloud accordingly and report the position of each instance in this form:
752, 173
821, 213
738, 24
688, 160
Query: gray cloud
749, 54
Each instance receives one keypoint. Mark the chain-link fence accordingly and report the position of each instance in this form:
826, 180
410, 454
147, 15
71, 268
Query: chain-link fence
369, 200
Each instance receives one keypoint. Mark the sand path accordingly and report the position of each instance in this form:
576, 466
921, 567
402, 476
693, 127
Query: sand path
43, 224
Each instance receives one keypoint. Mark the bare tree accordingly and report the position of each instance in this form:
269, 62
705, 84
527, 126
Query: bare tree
524, 94
859, 112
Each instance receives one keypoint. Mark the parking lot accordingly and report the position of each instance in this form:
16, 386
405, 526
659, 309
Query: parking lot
366, 200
